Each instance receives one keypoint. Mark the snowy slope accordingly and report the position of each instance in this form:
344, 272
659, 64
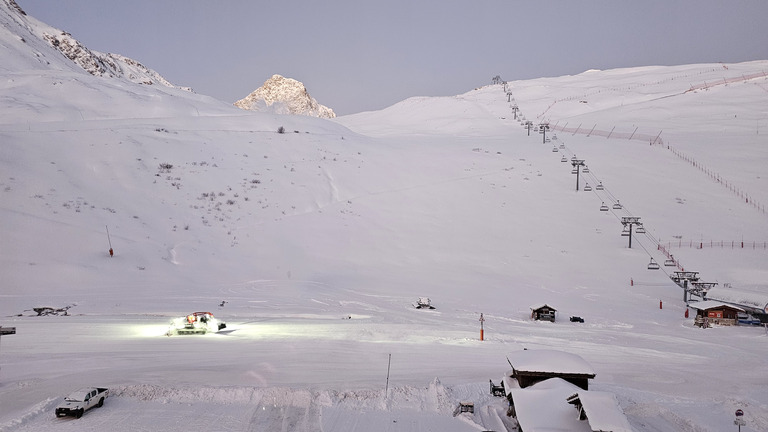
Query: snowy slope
33, 45
319, 240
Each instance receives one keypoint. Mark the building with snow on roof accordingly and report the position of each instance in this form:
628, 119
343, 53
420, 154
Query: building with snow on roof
531, 366
714, 312
543, 312
544, 407
601, 411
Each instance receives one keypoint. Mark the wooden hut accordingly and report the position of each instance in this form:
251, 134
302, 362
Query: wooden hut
543, 312
532, 366
710, 312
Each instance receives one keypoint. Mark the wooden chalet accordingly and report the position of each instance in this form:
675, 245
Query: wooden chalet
543, 312
532, 366
710, 312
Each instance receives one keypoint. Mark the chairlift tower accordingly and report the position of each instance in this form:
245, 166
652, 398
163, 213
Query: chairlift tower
543, 128
701, 289
515, 109
577, 164
681, 278
528, 125
628, 221
509, 94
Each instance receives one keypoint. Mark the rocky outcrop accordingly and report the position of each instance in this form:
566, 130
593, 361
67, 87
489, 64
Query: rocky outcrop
284, 96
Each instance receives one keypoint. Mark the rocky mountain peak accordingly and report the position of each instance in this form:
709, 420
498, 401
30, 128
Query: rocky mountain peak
284, 96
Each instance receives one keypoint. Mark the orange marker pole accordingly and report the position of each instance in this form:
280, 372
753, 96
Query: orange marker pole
481, 327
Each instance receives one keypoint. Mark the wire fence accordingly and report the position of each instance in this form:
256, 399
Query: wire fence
714, 244
656, 139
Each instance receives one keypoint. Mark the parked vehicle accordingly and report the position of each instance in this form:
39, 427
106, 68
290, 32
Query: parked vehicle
196, 323
81, 401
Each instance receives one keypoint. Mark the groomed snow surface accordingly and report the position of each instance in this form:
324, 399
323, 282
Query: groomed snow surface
317, 242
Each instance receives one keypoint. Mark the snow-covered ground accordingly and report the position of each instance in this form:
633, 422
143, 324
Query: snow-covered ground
319, 240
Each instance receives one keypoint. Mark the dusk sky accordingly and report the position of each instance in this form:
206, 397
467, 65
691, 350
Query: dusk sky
356, 55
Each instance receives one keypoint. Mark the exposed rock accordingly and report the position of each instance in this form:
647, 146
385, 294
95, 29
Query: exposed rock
105, 65
284, 96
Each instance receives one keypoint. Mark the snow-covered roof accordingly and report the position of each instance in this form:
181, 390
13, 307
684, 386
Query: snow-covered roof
709, 304
549, 361
541, 305
740, 296
603, 411
544, 407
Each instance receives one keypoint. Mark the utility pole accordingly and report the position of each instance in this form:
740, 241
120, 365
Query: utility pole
577, 164
628, 221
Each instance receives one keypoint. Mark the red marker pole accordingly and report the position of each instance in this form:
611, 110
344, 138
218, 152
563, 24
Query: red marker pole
481, 327
111, 252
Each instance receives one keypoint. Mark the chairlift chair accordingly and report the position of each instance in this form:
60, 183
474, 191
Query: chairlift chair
564, 159
555, 150
625, 232
670, 262
585, 170
599, 186
562, 146
653, 265
574, 171
554, 137
603, 207
587, 187
640, 230
617, 206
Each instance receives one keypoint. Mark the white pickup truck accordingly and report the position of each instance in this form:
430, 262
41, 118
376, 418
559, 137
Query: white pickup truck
81, 401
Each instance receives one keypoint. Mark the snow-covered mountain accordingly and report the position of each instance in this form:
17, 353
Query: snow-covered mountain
34, 44
313, 245
284, 96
